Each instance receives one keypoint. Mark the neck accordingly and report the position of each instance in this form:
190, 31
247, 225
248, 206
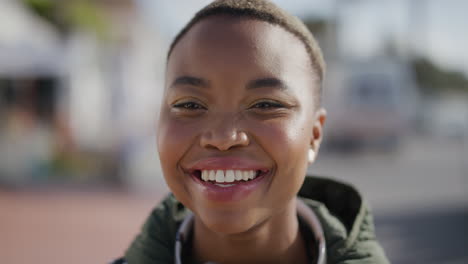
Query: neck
275, 240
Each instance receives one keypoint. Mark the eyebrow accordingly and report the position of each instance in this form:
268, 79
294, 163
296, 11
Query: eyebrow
190, 80
267, 82
254, 84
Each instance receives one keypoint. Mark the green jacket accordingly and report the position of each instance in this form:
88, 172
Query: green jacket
346, 221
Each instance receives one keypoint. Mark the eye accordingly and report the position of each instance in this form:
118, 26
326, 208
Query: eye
189, 106
265, 105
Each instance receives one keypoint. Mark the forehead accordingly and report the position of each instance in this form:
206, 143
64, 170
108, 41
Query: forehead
235, 44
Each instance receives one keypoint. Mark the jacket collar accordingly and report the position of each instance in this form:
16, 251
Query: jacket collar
303, 211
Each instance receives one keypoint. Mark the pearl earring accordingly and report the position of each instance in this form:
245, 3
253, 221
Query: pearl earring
311, 155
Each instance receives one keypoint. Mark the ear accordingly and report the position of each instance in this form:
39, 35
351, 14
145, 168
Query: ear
317, 134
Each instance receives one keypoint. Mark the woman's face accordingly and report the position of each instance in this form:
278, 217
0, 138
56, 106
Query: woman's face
238, 104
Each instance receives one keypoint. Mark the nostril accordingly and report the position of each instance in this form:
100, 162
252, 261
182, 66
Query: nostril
224, 139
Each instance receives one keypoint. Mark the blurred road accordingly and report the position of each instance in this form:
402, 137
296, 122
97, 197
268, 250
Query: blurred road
423, 172
432, 236
419, 197
72, 227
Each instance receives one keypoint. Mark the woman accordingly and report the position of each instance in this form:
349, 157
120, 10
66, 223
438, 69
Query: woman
240, 121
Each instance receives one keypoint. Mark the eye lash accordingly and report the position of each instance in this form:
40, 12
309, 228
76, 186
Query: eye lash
270, 104
189, 105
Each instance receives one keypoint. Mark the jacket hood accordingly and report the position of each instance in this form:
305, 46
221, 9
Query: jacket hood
345, 218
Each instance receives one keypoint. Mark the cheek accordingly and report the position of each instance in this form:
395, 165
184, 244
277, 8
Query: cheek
174, 138
286, 141
287, 144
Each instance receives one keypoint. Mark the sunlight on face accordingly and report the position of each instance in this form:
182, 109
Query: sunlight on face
239, 96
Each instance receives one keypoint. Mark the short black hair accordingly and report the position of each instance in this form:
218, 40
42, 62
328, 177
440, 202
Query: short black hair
262, 10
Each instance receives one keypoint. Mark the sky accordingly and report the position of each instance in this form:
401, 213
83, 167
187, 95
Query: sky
433, 28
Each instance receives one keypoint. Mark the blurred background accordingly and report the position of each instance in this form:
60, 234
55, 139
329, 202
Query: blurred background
80, 85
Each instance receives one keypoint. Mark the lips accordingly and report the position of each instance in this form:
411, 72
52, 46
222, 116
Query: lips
226, 179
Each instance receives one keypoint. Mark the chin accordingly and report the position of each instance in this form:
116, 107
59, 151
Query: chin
228, 223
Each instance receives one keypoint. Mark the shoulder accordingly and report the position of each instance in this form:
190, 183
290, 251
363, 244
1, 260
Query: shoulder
156, 240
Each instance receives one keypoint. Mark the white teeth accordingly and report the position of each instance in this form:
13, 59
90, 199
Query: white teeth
230, 177
204, 175
219, 176
245, 175
238, 175
212, 175
224, 185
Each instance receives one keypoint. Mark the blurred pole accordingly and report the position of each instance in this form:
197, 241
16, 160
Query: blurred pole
464, 154
418, 28
334, 27
332, 38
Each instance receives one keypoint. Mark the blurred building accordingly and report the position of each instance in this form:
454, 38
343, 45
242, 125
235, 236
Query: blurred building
76, 106
31, 69
371, 103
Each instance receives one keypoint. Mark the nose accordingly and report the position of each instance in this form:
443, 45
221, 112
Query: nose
224, 134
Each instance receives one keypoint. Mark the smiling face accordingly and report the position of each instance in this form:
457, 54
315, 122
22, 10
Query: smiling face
238, 104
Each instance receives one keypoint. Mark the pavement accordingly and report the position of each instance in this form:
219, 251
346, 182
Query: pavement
73, 227
431, 236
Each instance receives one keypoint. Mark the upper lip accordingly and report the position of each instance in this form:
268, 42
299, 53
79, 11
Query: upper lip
226, 163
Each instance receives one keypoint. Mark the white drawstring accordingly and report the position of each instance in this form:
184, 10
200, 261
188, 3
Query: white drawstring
181, 235
312, 220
